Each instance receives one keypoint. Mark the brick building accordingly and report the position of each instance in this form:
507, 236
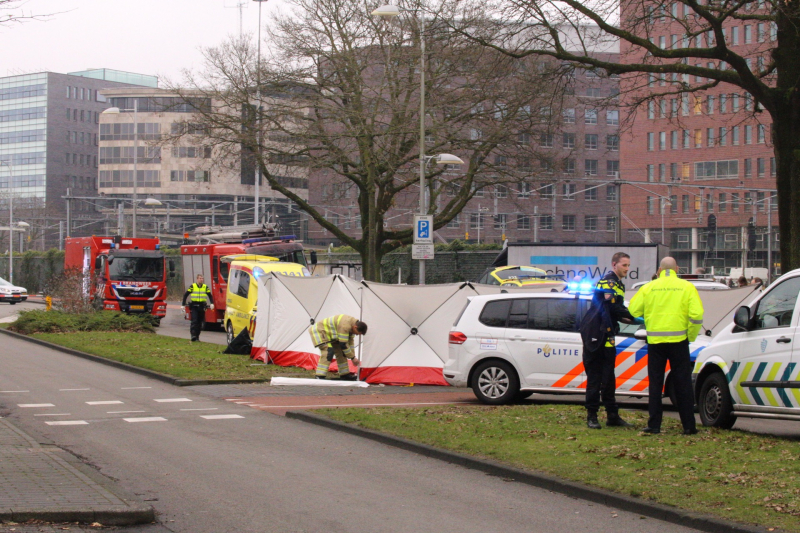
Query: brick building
691, 155
569, 194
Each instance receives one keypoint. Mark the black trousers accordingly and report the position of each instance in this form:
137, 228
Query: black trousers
198, 319
601, 382
677, 353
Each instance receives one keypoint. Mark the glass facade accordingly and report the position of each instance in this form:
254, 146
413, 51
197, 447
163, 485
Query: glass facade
23, 134
118, 76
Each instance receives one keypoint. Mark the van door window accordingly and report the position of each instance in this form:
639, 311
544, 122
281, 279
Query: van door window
518, 318
495, 314
553, 314
244, 284
223, 270
775, 310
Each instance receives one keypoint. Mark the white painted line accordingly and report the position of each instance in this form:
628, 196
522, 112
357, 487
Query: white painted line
243, 403
53, 414
170, 400
105, 402
203, 409
135, 388
262, 406
68, 423
10, 391
66, 390
220, 417
121, 412
146, 419
35, 405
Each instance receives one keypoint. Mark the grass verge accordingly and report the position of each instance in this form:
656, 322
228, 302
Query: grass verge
168, 355
731, 474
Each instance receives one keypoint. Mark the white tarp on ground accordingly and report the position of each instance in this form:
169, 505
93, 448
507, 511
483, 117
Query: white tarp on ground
408, 325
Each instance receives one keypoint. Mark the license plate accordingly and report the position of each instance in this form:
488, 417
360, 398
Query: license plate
137, 307
17, 296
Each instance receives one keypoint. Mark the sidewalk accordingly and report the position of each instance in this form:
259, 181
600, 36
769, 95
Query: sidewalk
44, 482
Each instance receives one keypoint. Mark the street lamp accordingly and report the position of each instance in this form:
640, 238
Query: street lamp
258, 116
390, 11
153, 203
10, 219
116, 111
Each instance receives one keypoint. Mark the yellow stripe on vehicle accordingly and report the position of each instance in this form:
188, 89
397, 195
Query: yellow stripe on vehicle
768, 392
746, 369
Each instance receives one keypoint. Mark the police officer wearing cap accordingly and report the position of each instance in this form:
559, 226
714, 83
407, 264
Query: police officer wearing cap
599, 347
673, 311
199, 296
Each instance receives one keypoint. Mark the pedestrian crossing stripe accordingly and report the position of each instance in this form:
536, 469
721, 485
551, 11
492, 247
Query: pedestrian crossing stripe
774, 373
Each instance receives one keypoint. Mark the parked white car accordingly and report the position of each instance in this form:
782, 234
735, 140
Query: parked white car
701, 284
509, 346
750, 368
12, 293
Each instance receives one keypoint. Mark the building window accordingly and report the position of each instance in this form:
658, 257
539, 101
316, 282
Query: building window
569, 191
593, 92
685, 203
546, 222
723, 136
748, 134
698, 138
723, 204
710, 170
710, 137
612, 143
569, 116
590, 166
590, 194
591, 141
687, 138
651, 109
649, 205
500, 221
568, 140
674, 141
735, 36
723, 103
673, 171
546, 140
569, 166
710, 105
748, 34
611, 223
590, 222
735, 136
773, 171
476, 220
612, 118
523, 222
500, 161
612, 168
590, 116
662, 140
735, 202
650, 141
524, 138
611, 193
760, 167
546, 192
500, 191
651, 173
673, 204
524, 190
662, 172
748, 168
761, 129
568, 222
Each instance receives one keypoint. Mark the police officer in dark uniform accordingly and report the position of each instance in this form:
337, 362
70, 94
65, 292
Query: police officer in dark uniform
199, 296
599, 351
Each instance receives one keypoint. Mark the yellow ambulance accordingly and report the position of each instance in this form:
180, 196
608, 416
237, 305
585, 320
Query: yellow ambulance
242, 297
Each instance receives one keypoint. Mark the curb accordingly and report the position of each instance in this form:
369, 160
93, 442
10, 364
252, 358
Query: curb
674, 515
124, 366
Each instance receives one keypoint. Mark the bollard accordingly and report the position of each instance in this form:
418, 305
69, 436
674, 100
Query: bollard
49, 302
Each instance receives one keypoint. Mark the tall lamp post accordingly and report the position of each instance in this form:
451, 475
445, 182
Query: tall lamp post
135, 109
390, 11
258, 115
10, 219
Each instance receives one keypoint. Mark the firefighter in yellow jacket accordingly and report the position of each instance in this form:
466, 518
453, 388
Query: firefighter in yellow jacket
334, 338
673, 313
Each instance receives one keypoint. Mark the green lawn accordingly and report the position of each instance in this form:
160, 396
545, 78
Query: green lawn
168, 355
732, 474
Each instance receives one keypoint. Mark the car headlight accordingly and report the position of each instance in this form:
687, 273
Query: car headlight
5, 291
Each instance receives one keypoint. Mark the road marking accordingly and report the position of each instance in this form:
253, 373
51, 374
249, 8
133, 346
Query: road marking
35, 405
167, 400
68, 423
10, 391
122, 412
263, 406
53, 414
66, 390
219, 417
135, 388
105, 402
203, 409
146, 419
244, 403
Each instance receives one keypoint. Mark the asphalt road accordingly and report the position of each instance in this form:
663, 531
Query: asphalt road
175, 325
209, 465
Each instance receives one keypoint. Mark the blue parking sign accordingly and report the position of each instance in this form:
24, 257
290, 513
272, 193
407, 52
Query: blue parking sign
423, 229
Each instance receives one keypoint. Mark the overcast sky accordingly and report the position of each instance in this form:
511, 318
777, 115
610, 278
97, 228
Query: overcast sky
158, 37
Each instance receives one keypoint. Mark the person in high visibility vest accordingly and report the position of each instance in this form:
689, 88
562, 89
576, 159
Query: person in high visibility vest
199, 296
334, 336
673, 314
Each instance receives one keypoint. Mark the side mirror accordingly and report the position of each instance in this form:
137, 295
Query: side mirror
742, 317
172, 274
171, 265
98, 262
640, 334
110, 259
313, 257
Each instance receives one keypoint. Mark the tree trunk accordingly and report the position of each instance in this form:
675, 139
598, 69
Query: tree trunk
786, 139
370, 256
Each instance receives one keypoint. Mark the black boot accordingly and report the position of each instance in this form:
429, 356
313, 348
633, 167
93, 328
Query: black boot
591, 421
614, 420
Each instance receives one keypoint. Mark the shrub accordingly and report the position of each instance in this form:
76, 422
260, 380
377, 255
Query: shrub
72, 291
41, 321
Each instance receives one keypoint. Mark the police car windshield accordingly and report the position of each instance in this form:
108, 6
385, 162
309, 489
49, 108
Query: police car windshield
136, 269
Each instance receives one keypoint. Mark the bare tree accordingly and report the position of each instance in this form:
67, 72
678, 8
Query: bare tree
339, 102
14, 11
768, 67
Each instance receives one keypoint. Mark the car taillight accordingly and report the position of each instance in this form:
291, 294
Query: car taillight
457, 337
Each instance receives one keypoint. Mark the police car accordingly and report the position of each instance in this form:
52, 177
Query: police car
750, 368
508, 346
521, 276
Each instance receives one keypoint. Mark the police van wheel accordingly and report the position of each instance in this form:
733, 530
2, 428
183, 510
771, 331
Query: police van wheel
715, 403
495, 383
229, 333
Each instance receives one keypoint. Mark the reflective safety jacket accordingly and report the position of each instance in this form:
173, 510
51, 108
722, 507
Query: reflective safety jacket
612, 286
337, 328
671, 308
197, 294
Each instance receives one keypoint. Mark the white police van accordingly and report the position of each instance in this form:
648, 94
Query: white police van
509, 346
750, 369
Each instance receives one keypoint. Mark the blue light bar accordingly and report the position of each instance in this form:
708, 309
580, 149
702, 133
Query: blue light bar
581, 287
158, 246
288, 237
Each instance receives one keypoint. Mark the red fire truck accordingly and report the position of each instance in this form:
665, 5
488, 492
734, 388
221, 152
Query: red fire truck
205, 258
128, 274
